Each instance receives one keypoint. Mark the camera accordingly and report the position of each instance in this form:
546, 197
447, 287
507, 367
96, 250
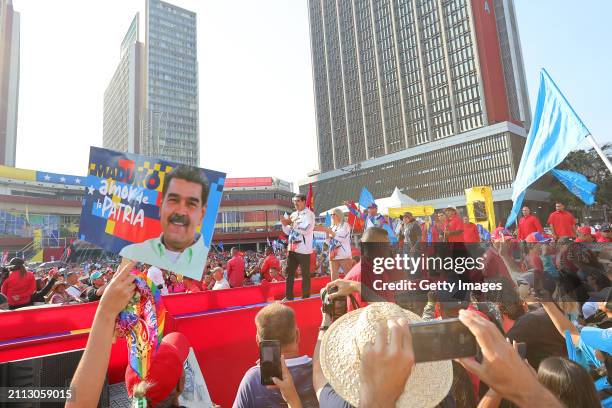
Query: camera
334, 308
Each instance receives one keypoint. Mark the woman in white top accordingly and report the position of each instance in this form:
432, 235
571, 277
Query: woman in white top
339, 244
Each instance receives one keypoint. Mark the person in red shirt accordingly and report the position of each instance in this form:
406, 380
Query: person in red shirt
431, 232
453, 227
562, 223
270, 261
275, 275
604, 235
584, 235
527, 224
19, 286
235, 269
470, 231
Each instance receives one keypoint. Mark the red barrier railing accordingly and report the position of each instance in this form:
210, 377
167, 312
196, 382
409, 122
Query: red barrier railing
223, 340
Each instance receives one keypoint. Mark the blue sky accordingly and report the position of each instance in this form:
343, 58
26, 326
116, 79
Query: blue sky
573, 41
256, 101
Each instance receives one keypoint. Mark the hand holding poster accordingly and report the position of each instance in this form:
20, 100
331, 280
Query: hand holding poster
151, 210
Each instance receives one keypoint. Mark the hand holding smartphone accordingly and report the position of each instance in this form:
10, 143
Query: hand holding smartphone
270, 361
442, 340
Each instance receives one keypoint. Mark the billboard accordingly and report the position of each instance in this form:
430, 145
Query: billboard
151, 210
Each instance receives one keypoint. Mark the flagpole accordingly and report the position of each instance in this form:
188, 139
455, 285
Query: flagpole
600, 152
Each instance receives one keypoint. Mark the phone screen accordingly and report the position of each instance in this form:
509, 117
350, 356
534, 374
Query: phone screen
269, 361
442, 340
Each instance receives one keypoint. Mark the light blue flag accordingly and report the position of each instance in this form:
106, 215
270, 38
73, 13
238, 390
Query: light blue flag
390, 232
328, 220
556, 130
366, 198
578, 184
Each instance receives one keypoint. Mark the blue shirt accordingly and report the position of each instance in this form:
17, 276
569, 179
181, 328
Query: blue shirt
251, 394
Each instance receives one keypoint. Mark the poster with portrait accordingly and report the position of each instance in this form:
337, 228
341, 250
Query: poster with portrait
151, 210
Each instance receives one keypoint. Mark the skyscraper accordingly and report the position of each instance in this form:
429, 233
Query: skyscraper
172, 83
426, 95
9, 81
124, 96
151, 103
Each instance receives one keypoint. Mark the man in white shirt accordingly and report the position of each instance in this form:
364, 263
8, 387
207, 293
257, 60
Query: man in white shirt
73, 289
220, 281
300, 229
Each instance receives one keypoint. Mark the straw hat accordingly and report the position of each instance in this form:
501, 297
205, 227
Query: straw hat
341, 347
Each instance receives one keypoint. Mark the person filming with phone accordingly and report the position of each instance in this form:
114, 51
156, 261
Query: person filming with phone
282, 376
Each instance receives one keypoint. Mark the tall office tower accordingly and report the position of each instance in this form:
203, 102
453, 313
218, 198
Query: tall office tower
124, 96
171, 125
9, 81
426, 95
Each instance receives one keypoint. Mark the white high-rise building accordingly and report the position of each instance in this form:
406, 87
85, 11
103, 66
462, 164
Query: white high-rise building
124, 96
9, 81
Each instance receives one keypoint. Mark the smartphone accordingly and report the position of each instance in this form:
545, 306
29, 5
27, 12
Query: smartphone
269, 361
442, 340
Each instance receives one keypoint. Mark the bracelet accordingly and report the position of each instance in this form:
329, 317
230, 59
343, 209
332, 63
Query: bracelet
323, 328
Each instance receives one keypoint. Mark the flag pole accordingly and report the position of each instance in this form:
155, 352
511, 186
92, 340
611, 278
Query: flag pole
600, 152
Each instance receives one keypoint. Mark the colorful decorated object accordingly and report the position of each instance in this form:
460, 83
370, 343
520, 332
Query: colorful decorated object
142, 324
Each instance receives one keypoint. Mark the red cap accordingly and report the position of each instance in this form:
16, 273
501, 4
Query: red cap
584, 230
166, 368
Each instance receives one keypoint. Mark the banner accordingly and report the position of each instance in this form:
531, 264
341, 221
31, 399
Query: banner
479, 205
416, 210
132, 201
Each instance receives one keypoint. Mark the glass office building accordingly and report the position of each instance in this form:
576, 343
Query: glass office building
151, 103
171, 115
426, 95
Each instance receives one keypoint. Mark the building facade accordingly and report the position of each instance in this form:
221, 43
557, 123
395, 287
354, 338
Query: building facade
251, 209
151, 103
9, 81
124, 96
37, 205
171, 118
426, 95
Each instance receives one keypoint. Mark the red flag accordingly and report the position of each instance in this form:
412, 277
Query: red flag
310, 198
356, 223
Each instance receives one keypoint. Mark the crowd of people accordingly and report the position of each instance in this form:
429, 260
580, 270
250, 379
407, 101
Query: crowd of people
545, 338
565, 362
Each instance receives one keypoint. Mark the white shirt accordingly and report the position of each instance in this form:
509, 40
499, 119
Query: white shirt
222, 284
74, 291
343, 235
303, 228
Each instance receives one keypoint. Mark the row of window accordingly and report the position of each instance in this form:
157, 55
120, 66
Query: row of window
433, 175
